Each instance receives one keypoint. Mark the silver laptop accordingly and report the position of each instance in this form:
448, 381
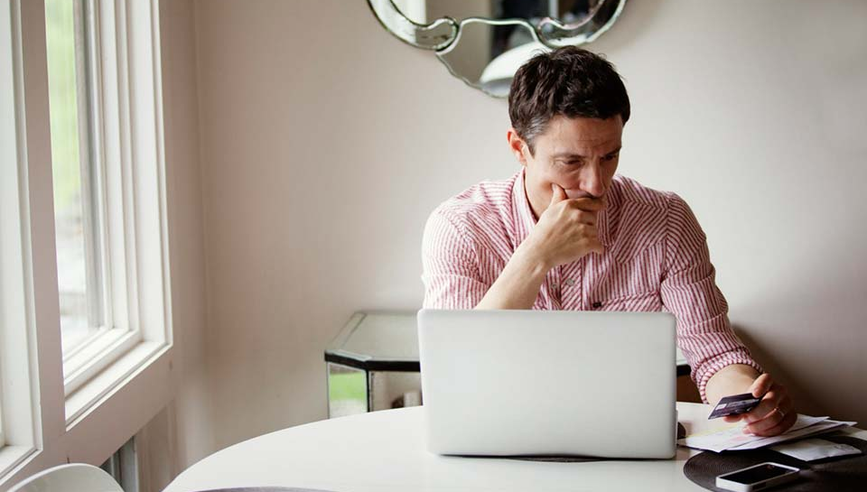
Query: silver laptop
548, 383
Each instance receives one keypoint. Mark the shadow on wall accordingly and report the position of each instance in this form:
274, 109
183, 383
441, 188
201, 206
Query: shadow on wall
806, 324
780, 371
816, 319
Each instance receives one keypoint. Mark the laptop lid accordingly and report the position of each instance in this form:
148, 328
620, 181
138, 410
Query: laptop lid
516, 382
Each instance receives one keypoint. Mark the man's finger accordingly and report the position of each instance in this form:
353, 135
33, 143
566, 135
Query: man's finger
583, 217
784, 425
769, 421
765, 407
559, 193
588, 204
786, 405
761, 385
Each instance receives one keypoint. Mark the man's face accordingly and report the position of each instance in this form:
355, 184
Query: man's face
579, 154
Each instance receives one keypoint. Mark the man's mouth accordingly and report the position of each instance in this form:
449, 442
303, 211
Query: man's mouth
572, 194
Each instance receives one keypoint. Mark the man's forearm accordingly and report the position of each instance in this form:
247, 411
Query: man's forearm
730, 380
518, 284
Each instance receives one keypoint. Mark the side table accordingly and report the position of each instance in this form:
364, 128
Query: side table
373, 364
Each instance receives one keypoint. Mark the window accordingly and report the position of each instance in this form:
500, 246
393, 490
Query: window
85, 325
7, 141
17, 409
91, 338
2, 437
7, 151
74, 174
105, 157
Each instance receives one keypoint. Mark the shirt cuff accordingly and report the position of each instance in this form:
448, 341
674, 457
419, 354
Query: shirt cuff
712, 366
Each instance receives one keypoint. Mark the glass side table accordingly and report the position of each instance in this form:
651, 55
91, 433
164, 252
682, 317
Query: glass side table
373, 364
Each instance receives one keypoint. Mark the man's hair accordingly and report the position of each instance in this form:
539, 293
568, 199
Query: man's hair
568, 81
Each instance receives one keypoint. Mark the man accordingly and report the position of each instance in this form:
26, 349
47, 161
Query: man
566, 232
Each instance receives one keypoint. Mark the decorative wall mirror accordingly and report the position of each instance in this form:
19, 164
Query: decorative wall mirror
483, 42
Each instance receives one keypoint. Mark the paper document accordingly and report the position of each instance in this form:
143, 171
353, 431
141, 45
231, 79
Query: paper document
819, 428
815, 449
733, 438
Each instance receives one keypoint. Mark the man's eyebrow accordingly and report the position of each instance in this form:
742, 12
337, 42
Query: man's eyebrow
614, 151
573, 155
570, 155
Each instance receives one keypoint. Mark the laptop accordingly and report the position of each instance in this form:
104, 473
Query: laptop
548, 383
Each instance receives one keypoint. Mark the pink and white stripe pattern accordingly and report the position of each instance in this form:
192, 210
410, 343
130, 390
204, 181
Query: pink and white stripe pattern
655, 259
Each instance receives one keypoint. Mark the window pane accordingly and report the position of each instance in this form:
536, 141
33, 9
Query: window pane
69, 195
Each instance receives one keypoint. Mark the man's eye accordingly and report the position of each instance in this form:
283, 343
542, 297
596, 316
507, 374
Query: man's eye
610, 157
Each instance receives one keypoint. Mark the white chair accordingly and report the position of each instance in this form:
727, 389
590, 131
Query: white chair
75, 477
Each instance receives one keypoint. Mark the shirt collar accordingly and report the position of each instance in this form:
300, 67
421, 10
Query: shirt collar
524, 219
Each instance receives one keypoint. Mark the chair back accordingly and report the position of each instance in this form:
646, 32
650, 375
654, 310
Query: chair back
74, 477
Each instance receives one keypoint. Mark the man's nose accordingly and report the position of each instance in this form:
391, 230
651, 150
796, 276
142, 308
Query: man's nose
591, 181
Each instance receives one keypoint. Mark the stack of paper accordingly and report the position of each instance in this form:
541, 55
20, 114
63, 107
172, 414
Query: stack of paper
733, 438
813, 449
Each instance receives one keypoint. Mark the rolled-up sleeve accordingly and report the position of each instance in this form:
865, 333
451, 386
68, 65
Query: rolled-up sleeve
450, 268
688, 290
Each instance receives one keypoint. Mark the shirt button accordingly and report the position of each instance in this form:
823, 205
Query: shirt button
570, 281
597, 305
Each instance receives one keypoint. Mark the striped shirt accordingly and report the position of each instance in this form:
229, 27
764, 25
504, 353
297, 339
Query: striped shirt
656, 258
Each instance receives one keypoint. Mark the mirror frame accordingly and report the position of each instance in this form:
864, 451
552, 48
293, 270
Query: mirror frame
442, 34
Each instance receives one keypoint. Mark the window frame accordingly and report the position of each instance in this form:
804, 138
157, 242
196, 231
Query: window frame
92, 175
108, 123
54, 422
126, 147
17, 257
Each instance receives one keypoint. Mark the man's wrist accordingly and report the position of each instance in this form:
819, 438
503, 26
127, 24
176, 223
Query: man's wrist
533, 260
731, 379
518, 284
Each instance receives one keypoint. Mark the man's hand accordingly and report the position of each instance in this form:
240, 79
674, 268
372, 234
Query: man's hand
566, 231
774, 415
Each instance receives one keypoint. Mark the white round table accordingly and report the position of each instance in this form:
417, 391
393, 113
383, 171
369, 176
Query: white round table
385, 451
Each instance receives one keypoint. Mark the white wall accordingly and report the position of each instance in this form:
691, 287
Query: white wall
325, 142
183, 433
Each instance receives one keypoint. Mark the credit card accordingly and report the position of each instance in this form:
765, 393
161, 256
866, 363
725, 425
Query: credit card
733, 405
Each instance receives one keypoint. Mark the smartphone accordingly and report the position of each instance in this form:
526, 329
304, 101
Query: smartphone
757, 477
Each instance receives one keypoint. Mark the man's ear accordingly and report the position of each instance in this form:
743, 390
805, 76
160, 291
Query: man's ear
517, 146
